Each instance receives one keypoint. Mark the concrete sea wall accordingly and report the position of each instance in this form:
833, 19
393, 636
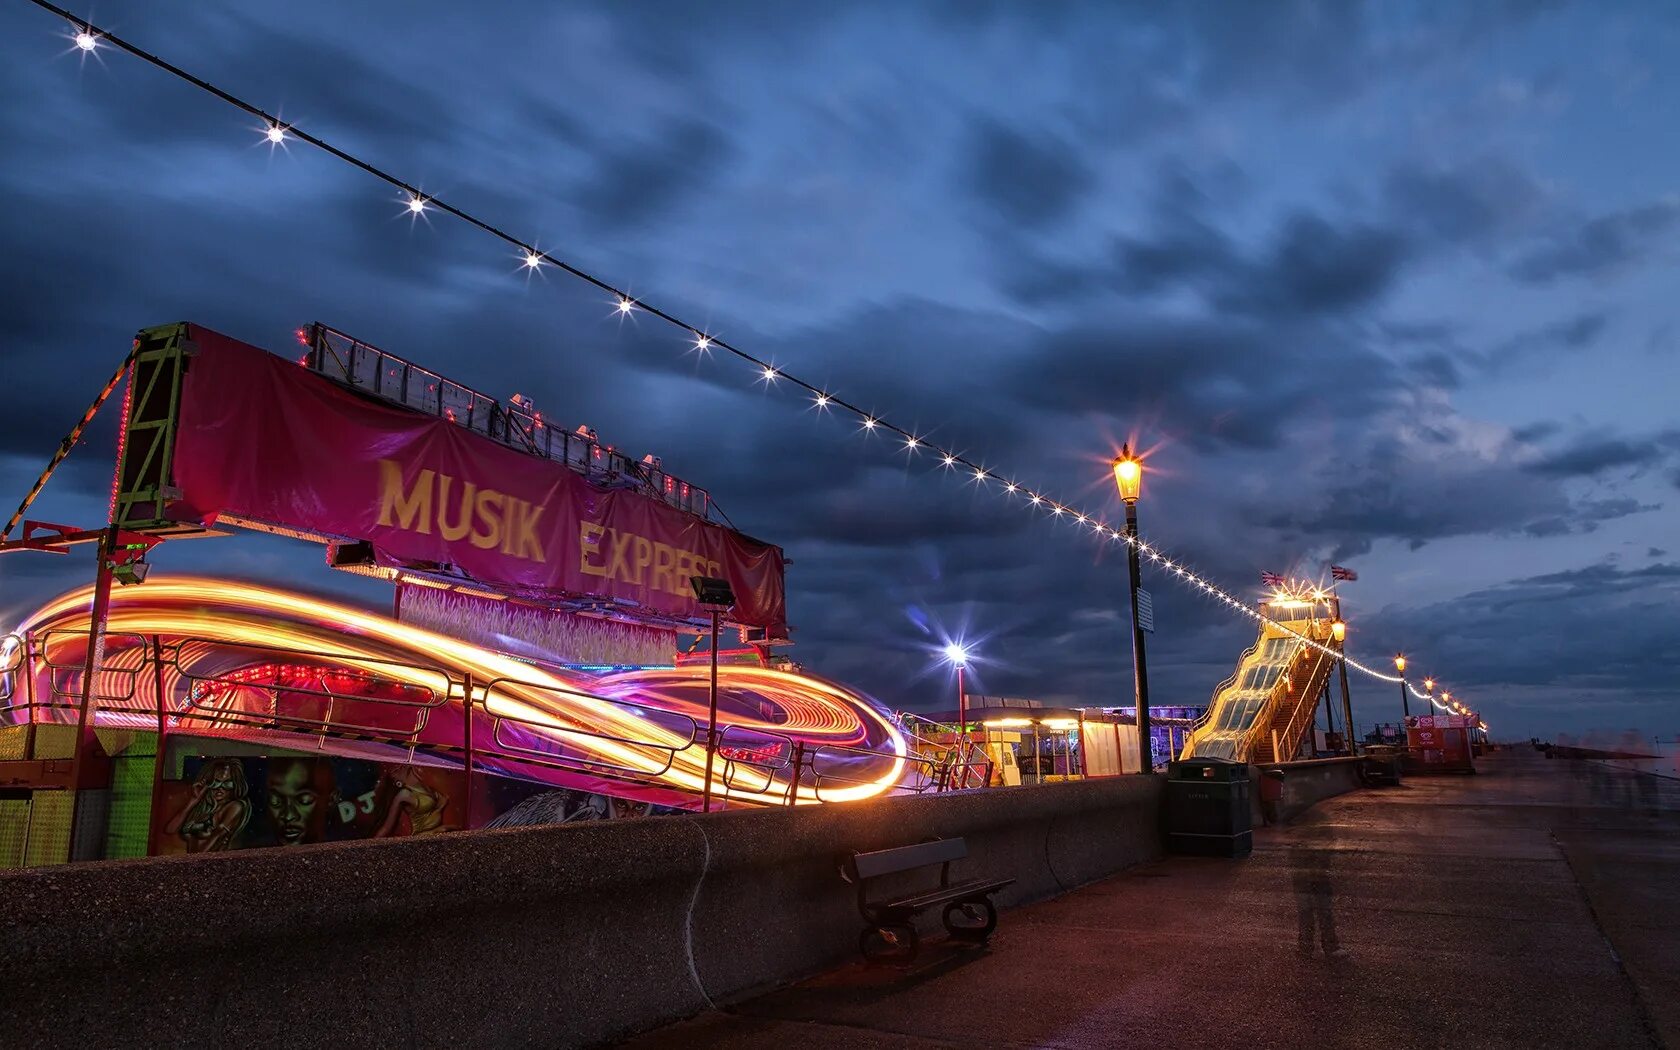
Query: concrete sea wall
1307, 783
557, 936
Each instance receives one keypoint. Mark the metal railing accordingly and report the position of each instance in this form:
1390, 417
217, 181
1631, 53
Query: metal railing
961, 761
661, 753
518, 425
304, 676
250, 689
923, 773
1306, 700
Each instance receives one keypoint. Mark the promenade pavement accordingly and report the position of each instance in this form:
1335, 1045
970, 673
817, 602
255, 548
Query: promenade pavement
1536, 904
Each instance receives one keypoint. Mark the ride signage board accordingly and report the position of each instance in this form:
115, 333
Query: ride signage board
260, 438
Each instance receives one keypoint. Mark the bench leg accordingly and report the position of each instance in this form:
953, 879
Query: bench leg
889, 943
971, 921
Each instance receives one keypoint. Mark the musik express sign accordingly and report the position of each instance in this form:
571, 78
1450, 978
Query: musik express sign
260, 438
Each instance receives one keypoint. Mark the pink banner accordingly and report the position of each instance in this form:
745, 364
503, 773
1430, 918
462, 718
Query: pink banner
260, 437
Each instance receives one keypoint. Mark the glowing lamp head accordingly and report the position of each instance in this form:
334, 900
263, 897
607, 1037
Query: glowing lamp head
532, 260
625, 304
1128, 474
276, 134
1338, 630
1429, 685
1446, 697
86, 40
416, 204
1400, 663
956, 654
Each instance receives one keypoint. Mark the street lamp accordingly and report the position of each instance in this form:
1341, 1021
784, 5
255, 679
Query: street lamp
1405, 704
956, 654
1128, 478
715, 596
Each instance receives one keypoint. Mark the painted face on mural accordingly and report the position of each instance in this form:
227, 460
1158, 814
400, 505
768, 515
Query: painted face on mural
298, 793
222, 787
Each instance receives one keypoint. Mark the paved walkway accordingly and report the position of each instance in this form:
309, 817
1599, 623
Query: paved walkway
1536, 904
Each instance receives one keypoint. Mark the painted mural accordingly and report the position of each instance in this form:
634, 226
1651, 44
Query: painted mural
243, 802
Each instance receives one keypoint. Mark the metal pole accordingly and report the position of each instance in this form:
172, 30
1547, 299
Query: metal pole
90, 666
26, 667
1405, 705
467, 761
158, 762
1329, 714
711, 723
1347, 704
1140, 670
962, 729
65, 447
798, 768
1347, 709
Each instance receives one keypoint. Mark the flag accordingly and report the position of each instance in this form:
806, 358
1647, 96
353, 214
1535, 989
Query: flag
1271, 579
1337, 572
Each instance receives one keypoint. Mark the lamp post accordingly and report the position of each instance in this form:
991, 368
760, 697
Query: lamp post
1128, 478
1405, 704
956, 654
1338, 629
715, 596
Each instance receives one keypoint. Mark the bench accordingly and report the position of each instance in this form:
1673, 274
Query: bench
969, 914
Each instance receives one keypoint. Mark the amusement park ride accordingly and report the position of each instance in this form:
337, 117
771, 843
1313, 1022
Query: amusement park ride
531, 665
1264, 712
530, 669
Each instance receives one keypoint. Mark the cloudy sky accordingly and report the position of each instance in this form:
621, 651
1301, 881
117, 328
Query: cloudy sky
1390, 289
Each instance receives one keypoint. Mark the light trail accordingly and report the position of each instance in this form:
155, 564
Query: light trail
252, 660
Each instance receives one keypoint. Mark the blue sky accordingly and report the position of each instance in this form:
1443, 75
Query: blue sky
1382, 284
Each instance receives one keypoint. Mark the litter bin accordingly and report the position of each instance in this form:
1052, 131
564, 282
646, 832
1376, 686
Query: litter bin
1380, 770
1209, 812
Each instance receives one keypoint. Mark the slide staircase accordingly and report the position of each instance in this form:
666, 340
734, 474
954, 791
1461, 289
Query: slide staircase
1264, 711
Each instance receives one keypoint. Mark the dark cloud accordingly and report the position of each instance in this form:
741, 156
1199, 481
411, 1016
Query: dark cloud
1433, 484
1032, 180
1469, 202
1533, 432
635, 185
1217, 382
1597, 454
1601, 246
1587, 646
1309, 266
1316, 267
1539, 347
1436, 369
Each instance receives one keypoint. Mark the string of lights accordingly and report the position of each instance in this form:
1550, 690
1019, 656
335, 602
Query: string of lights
88, 38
